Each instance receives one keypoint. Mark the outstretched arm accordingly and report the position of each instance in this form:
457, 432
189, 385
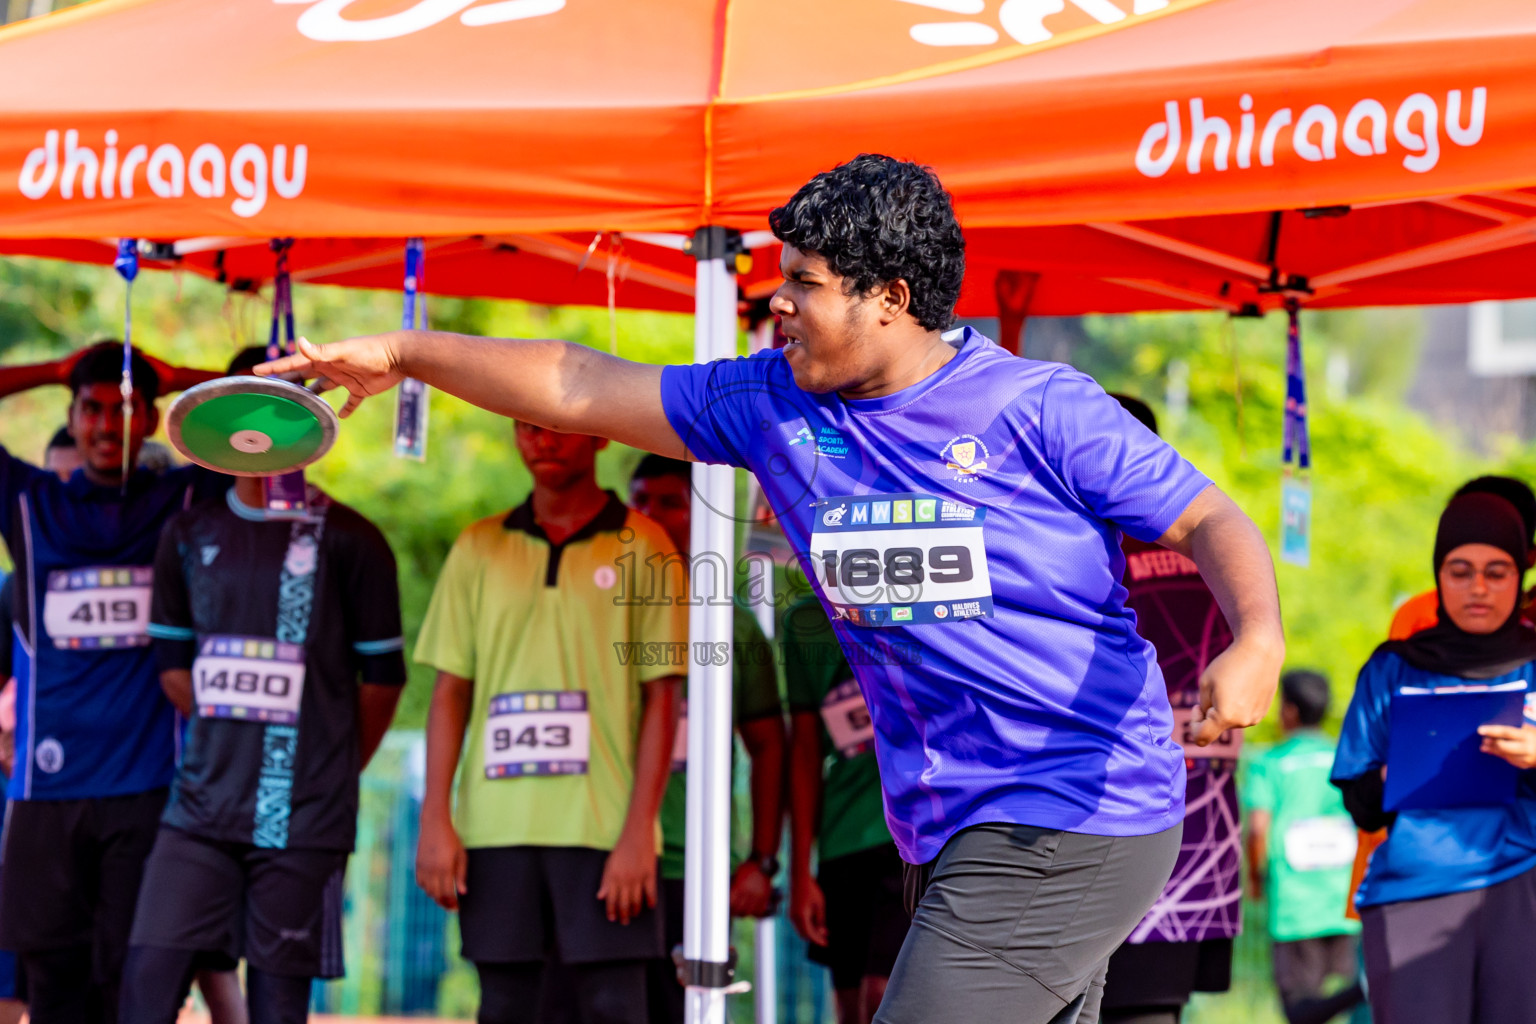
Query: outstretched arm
16, 379
553, 384
1237, 686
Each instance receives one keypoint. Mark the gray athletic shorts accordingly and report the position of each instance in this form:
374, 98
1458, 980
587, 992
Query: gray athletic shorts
1015, 924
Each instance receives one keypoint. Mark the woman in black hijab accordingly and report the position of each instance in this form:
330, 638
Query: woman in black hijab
1450, 896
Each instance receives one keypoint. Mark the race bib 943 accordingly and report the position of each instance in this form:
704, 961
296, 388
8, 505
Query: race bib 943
901, 559
99, 607
251, 678
537, 733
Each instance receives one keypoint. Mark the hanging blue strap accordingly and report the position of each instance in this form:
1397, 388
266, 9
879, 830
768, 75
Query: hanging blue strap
127, 266
411, 402
1298, 446
415, 265
282, 303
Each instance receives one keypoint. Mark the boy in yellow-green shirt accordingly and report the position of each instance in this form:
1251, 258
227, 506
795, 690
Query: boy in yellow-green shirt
565, 736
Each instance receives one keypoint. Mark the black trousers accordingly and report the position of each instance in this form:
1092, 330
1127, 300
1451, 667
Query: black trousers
1457, 959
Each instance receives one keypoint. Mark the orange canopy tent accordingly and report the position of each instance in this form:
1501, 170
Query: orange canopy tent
358, 118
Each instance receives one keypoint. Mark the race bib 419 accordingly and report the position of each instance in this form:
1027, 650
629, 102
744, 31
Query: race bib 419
901, 559
537, 733
99, 607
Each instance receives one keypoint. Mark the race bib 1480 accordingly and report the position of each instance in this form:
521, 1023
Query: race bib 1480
251, 678
99, 607
901, 559
537, 733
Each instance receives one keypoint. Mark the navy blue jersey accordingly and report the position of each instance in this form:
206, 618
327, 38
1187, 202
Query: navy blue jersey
91, 720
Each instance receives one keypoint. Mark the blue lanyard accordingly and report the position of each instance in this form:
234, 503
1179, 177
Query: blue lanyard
282, 302
415, 267
127, 266
1298, 446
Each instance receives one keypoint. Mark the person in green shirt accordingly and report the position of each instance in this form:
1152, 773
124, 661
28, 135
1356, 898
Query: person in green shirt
550, 853
851, 911
1301, 845
662, 490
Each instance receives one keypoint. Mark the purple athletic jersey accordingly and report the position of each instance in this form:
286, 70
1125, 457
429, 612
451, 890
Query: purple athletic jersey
964, 534
1177, 613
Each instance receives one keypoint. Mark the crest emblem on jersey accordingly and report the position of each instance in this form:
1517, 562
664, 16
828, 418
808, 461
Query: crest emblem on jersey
303, 555
965, 456
50, 755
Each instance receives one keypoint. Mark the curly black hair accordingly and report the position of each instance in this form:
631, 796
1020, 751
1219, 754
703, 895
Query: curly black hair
875, 219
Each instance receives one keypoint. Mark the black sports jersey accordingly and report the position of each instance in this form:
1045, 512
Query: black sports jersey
278, 620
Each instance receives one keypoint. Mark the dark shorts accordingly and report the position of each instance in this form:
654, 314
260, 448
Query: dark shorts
1303, 966
333, 955
1016, 923
1458, 959
1165, 974
866, 919
524, 902
71, 874
236, 900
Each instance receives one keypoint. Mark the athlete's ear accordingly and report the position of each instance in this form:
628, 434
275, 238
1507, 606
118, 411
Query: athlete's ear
895, 297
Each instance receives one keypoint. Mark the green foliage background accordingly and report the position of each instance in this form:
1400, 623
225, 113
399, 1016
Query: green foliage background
1381, 472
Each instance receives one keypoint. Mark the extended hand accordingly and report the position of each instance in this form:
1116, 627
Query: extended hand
629, 878
1235, 690
1517, 746
441, 863
808, 910
364, 366
751, 892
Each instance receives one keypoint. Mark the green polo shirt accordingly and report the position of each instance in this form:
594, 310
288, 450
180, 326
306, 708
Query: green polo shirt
815, 672
518, 615
754, 694
1311, 838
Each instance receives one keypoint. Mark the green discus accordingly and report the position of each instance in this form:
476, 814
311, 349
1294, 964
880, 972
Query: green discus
251, 426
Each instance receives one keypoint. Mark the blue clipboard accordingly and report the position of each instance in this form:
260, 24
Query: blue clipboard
1433, 755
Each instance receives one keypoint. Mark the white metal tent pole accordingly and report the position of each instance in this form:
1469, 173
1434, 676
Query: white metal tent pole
706, 904
765, 934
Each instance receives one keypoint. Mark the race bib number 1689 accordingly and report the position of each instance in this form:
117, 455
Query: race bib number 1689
901, 559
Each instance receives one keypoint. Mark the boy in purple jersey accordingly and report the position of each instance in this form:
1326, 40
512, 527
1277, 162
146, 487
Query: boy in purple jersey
962, 512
